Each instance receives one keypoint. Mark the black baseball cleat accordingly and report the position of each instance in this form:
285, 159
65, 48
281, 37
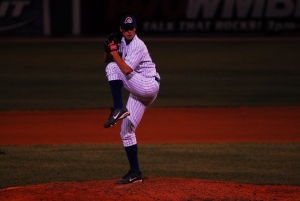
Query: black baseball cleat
115, 115
130, 178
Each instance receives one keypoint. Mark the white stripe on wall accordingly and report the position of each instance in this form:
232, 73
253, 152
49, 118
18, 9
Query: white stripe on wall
76, 17
46, 18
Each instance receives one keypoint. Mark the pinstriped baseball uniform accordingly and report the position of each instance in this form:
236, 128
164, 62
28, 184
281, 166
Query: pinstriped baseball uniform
142, 84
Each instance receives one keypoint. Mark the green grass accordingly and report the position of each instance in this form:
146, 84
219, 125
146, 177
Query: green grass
194, 74
256, 163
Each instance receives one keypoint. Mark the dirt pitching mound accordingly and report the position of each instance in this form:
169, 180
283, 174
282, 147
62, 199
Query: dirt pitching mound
151, 189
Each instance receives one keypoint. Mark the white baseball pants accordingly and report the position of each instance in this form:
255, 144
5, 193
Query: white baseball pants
143, 91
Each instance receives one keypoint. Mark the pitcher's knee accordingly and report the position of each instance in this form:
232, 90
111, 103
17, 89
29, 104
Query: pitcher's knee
112, 71
111, 67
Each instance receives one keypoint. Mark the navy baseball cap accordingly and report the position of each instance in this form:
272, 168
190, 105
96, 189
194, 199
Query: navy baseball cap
128, 22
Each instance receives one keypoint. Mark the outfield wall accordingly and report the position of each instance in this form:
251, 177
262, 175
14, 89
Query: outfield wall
155, 17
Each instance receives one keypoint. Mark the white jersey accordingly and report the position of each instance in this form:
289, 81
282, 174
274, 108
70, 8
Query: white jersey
142, 83
136, 55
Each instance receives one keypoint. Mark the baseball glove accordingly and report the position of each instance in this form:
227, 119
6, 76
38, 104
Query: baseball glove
113, 38
111, 43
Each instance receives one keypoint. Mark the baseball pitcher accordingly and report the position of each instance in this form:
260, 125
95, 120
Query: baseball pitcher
129, 65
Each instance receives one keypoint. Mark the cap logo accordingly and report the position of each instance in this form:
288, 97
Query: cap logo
128, 20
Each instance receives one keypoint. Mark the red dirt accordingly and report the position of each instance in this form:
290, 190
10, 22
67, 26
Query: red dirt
188, 125
172, 125
151, 189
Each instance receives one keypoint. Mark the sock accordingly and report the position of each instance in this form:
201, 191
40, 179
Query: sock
116, 90
132, 155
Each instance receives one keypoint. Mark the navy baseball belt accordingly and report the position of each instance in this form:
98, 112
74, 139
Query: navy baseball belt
157, 79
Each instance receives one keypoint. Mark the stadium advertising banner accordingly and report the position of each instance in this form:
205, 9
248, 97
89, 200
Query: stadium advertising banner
214, 16
23, 18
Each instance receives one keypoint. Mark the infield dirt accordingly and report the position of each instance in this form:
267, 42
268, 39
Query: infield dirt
151, 189
159, 125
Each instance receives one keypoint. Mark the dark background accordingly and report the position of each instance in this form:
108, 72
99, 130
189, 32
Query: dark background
155, 17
